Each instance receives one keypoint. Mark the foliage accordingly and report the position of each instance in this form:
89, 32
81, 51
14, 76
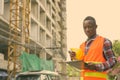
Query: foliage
116, 47
116, 69
71, 71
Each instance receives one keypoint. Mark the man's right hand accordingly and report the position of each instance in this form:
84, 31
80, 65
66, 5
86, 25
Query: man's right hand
72, 54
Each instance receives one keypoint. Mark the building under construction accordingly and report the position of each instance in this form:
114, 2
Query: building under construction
33, 26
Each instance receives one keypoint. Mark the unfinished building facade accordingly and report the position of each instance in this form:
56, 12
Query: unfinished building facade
47, 31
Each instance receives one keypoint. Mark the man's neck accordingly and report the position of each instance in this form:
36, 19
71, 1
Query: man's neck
92, 37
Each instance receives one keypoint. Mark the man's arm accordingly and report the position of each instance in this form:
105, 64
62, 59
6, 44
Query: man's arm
109, 56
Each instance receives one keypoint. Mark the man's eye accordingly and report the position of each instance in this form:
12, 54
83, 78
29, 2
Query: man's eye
88, 27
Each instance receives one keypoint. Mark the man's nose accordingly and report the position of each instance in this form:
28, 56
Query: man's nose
87, 29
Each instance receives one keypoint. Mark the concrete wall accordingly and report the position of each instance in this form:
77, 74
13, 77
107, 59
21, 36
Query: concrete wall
47, 29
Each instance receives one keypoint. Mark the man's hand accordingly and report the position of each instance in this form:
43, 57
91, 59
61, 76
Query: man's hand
90, 66
72, 54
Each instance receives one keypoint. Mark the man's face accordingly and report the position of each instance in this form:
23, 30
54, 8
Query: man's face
89, 28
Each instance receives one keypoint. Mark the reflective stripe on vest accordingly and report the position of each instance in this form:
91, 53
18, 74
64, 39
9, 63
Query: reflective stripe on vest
95, 74
81, 78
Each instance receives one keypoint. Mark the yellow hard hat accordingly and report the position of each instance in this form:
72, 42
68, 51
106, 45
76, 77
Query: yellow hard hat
79, 53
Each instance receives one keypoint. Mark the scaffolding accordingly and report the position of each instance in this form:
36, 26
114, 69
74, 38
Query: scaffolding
19, 28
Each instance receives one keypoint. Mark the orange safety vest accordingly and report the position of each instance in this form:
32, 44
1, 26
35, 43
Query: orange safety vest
95, 55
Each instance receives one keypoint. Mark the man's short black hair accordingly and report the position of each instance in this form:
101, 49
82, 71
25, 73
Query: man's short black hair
90, 18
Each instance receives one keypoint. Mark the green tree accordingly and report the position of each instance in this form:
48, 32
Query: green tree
116, 69
116, 47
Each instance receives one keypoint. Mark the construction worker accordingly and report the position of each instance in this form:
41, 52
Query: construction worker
98, 54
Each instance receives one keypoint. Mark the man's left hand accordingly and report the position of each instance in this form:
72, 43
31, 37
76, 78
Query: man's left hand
90, 66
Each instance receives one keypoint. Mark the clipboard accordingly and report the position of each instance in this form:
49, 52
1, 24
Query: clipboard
79, 64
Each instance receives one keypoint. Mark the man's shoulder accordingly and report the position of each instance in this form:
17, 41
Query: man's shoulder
107, 42
106, 39
82, 44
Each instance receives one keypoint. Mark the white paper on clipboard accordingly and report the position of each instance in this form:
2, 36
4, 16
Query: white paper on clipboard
79, 64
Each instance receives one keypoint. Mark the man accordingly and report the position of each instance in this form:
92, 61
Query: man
98, 54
